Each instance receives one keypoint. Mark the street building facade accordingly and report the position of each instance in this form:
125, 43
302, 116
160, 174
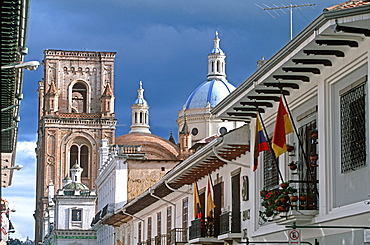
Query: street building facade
296, 172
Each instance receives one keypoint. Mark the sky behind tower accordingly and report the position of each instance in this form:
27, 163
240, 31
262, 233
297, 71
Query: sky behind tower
163, 43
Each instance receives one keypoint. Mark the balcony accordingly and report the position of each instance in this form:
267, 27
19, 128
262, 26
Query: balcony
161, 239
203, 231
178, 236
230, 227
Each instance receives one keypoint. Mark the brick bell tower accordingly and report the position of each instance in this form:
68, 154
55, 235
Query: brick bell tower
76, 111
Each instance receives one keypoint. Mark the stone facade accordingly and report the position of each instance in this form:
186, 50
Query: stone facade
144, 174
76, 111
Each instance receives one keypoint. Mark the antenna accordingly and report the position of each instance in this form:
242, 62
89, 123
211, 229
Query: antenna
290, 7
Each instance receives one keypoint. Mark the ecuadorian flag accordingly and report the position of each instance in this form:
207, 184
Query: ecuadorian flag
260, 143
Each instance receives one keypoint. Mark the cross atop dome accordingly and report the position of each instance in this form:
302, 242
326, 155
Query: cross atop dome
216, 47
140, 95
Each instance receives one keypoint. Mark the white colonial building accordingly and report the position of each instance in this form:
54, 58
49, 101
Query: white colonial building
69, 212
135, 162
322, 77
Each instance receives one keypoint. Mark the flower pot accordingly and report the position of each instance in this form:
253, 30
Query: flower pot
263, 193
269, 213
302, 198
314, 158
280, 209
283, 199
315, 136
284, 185
289, 148
293, 198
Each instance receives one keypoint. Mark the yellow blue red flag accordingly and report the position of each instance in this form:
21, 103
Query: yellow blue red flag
197, 205
260, 143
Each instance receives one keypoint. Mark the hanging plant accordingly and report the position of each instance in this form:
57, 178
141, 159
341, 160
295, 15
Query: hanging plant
302, 197
283, 198
314, 134
293, 198
314, 157
263, 193
284, 185
292, 165
289, 148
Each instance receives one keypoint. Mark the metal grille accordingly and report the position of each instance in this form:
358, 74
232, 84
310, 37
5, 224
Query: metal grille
353, 135
271, 177
307, 169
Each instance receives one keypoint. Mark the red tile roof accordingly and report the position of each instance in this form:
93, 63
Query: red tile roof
348, 4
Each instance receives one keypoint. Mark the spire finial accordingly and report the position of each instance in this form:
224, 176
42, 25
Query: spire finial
217, 41
140, 91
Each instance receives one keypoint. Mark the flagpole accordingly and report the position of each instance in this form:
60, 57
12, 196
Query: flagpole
300, 144
270, 146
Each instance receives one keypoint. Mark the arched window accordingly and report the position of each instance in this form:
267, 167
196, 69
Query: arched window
135, 117
73, 156
80, 155
79, 98
141, 117
84, 160
218, 66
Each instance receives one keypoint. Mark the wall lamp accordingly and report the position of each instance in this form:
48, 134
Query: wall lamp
16, 167
29, 65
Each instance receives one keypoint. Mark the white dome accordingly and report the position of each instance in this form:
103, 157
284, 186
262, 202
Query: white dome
212, 92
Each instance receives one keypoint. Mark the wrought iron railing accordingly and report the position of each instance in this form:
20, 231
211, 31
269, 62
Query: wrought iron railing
202, 228
178, 235
160, 239
225, 223
197, 229
307, 198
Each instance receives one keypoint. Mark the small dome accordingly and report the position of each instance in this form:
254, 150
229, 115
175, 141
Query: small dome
211, 92
217, 50
140, 96
76, 166
141, 101
154, 147
76, 186
69, 189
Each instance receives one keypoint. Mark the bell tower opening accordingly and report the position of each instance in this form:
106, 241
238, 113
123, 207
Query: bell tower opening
79, 98
80, 155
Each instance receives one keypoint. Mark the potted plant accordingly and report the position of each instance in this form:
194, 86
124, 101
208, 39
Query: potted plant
281, 209
270, 202
284, 185
314, 134
292, 165
289, 148
263, 193
283, 198
302, 197
314, 156
293, 198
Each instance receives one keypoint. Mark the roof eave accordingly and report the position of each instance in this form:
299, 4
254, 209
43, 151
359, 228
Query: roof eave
271, 63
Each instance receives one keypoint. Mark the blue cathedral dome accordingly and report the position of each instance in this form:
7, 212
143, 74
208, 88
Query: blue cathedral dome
210, 91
